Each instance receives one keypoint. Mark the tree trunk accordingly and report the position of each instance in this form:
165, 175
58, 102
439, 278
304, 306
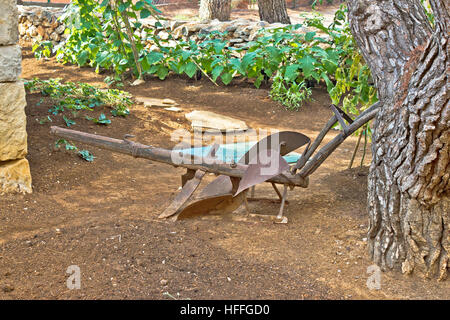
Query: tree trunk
215, 9
273, 11
408, 188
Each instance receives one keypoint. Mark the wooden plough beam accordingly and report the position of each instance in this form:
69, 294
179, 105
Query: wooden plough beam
138, 150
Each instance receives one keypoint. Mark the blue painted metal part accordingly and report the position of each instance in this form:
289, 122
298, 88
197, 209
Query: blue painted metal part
233, 151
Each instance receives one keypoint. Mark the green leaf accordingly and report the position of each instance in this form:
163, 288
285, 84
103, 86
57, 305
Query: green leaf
68, 121
291, 72
145, 13
218, 47
83, 57
216, 72
248, 59
185, 55
86, 155
307, 65
190, 69
227, 78
236, 63
154, 57
162, 72
139, 5
123, 6
310, 35
70, 147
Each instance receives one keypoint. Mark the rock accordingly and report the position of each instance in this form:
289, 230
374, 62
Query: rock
55, 37
175, 24
154, 102
174, 109
180, 32
224, 26
163, 35
164, 282
10, 63
32, 31
46, 24
169, 101
41, 30
13, 135
138, 82
231, 28
15, 176
7, 288
60, 29
9, 19
22, 30
262, 24
171, 44
211, 120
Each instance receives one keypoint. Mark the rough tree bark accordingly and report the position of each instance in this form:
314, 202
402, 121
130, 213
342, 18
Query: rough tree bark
215, 9
273, 11
408, 188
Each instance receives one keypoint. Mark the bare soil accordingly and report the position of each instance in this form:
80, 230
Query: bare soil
189, 11
102, 216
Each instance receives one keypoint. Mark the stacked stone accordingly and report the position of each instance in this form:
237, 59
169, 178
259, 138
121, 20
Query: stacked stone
38, 23
14, 168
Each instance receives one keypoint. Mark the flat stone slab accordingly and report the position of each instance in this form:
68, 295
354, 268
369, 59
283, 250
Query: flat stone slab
211, 120
154, 102
174, 109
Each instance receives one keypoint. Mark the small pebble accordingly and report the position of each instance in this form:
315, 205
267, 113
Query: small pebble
164, 282
7, 288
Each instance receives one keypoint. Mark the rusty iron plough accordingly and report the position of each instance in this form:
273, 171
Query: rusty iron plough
263, 162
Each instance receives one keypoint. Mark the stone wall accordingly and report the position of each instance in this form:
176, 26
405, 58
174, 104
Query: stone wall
36, 23
14, 168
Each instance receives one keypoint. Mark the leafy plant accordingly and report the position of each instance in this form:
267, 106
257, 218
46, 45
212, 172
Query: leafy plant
84, 154
80, 96
101, 35
75, 97
68, 121
291, 96
101, 119
327, 54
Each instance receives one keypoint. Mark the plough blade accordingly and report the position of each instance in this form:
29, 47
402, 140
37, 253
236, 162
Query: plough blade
285, 141
188, 187
271, 149
185, 194
222, 204
222, 185
258, 171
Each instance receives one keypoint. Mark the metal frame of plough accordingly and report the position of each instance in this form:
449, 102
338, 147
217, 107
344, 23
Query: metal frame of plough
230, 189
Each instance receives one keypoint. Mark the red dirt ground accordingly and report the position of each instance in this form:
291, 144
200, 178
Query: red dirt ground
102, 216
